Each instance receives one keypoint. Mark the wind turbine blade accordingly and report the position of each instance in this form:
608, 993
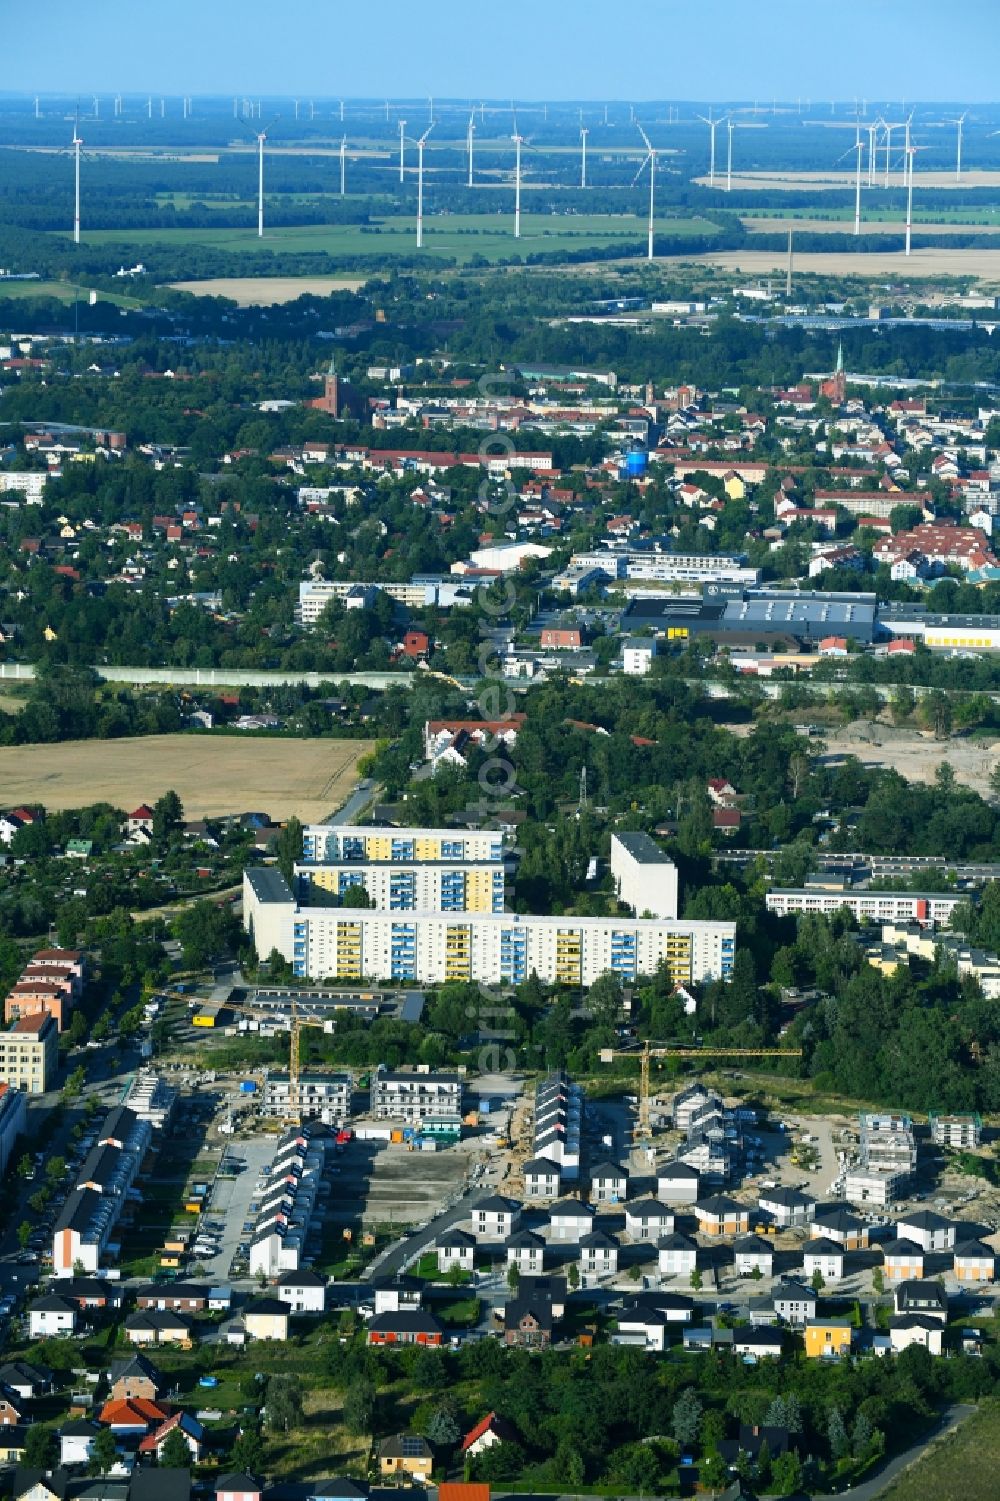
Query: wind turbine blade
642, 169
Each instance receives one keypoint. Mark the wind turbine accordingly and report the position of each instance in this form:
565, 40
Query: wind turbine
859, 148
908, 173
872, 129
343, 166
77, 143
651, 159
584, 133
958, 152
37, 116
468, 141
518, 140
707, 120
729, 155
262, 137
420, 185
402, 150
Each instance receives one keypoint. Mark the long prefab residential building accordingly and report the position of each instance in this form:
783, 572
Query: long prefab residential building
867, 906
340, 844
431, 947
404, 886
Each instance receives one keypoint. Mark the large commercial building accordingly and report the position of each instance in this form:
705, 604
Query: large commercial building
29, 1053
493, 947
645, 878
743, 616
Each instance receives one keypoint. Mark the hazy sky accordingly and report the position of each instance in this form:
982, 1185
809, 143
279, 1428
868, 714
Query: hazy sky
530, 49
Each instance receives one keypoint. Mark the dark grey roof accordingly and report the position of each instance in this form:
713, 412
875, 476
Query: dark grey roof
574, 1207
902, 1247
598, 1240
119, 1124
836, 1218
607, 1170
971, 1249
405, 1321
820, 1246
677, 1169
156, 1483
721, 1205
788, 1198
78, 1210
925, 1219
675, 1242
792, 1291
269, 885
752, 1245
496, 1204
640, 846
304, 1278
405, 1446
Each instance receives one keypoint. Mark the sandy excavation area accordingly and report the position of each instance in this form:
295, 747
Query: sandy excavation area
914, 754
211, 775
982, 264
268, 291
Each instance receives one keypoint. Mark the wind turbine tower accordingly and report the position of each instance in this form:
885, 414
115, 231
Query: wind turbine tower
77, 143
260, 184
584, 133
729, 155
343, 166
651, 159
468, 143
420, 186
518, 142
707, 120
402, 150
960, 122
859, 148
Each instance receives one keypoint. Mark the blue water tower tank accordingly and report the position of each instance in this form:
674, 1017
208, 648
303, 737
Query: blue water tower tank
636, 463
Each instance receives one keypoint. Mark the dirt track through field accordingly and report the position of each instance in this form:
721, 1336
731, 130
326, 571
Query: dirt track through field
211, 775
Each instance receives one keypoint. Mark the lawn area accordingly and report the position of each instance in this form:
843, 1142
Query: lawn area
65, 291
963, 1467
461, 236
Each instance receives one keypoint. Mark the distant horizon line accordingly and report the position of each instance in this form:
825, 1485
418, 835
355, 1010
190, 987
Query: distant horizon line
766, 103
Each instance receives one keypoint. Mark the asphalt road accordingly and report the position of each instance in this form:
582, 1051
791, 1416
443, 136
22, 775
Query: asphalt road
950, 1419
402, 1253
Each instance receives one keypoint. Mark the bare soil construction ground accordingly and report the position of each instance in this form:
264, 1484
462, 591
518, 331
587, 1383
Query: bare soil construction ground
915, 754
307, 778
937, 261
267, 291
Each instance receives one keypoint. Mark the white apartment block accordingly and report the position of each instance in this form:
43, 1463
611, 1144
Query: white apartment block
867, 906
414, 1095
324, 1097
498, 948
645, 878
637, 656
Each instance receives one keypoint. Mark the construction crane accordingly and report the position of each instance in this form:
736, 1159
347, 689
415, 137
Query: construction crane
296, 1020
648, 1051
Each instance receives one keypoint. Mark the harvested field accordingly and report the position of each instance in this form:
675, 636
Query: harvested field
267, 291
845, 226
210, 774
915, 755
824, 181
984, 265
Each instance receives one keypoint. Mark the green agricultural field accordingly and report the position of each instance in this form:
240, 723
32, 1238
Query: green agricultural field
63, 290
458, 236
962, 1467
